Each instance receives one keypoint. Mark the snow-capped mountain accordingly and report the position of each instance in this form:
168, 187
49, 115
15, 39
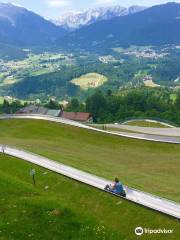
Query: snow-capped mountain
158, 25
72, 21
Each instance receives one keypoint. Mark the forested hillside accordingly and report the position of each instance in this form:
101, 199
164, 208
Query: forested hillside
58, 83
144, 102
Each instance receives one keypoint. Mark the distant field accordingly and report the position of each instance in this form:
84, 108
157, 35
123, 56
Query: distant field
150, 83
173, 97
149, 166
1, 100
146, 124
40, 72
9, 81
90, 80
60, 208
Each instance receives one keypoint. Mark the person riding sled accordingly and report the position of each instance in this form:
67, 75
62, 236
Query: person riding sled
116, 188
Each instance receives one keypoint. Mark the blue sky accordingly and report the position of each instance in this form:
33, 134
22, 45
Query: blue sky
54, 8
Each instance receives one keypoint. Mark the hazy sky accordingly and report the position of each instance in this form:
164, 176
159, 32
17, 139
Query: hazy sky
54, 8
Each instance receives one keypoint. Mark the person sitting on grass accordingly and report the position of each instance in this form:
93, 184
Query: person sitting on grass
116, 188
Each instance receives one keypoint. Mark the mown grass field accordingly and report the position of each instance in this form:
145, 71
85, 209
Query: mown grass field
146, 124
150, 83
148, 166
60, 208
173, 97
1, 100
90, 80
115, 128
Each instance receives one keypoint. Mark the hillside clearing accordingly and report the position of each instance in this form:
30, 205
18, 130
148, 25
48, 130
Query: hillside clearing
150, 83
90, 80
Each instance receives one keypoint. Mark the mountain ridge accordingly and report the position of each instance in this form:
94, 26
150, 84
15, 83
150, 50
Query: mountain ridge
20, 26
157, 25
73, 21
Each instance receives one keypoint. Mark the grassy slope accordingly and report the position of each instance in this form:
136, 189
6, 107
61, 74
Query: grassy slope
1, 100
112, 129
152, 167
146, 124
78, 214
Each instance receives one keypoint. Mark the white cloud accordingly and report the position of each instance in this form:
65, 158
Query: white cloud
59, 3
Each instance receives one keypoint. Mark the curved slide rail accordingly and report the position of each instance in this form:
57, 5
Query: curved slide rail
145, 199
146, 137
150, 121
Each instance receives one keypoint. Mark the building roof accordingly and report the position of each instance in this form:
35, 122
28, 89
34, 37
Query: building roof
76, 116
29, 109
54, 113
42, 110
33, 109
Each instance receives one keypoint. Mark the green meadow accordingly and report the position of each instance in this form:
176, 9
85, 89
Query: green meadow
60, 208
149, 166
142, 123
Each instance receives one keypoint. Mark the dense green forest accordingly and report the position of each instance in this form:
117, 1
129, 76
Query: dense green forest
11, 107
135, 103
51, 84
109, 107
167, 71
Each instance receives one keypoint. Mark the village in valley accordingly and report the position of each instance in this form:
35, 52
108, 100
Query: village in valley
12, 71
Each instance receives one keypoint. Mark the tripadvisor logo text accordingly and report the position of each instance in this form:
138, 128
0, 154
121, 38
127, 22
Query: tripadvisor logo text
140, 231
